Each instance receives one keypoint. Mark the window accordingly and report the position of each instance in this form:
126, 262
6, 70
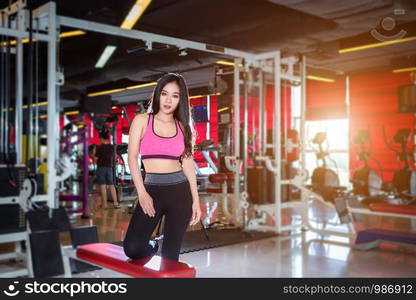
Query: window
337, 141
336, 145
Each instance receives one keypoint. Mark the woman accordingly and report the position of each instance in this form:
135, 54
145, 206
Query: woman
164, 138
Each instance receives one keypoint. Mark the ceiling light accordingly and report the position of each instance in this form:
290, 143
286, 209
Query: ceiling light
318, 78
69, 113
223, 109
375, 45
405, 70
135, 13
105, 56
72, 33
200, 96
105, 92
62, 35
132, 87
227, 63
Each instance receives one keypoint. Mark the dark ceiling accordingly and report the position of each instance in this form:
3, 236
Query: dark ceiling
315, 28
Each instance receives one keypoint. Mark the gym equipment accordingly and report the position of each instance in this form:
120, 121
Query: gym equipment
46, 253
119, 151
112, 257
82, 235
325, 181
372, 238
45, 230
11, 180
205, 147
224, 143
81, 136
394, 208
404, 179
407, 98
366, 181
219, 188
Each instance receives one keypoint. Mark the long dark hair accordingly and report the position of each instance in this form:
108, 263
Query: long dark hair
182, 112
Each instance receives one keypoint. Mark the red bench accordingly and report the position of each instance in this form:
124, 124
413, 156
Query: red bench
112, 257
394, 208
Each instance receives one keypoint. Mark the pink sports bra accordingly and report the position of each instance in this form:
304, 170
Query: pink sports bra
155, 146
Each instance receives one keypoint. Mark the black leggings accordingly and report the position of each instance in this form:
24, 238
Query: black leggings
174, 201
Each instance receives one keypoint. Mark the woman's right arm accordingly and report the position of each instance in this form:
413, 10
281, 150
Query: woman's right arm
135, 135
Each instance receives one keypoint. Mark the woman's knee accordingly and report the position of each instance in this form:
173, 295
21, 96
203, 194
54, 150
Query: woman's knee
134, 248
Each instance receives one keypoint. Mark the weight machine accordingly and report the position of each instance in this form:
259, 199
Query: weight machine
19, 22
271, 67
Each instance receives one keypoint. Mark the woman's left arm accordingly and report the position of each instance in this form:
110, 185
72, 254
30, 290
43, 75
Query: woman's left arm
189, 171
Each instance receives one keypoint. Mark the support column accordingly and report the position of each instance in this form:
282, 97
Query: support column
277, 142
236, 204
53, 116
19, 89
302, 141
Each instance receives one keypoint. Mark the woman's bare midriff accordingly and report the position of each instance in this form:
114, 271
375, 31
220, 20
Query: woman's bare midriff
155, 165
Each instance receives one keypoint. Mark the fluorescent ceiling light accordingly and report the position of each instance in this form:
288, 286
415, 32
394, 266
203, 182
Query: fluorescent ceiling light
375, 45
135, 13
26, 106
223, 109
132, 87
200, 96
62, 35
105, 56
141, 85
72, 33
227, 63
138, 86
75, 112
405, 70
318, 78
105, 92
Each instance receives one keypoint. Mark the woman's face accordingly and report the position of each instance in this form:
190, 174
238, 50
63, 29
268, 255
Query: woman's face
169, 98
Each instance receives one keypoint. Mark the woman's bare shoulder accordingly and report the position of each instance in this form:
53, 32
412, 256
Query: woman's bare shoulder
141, 119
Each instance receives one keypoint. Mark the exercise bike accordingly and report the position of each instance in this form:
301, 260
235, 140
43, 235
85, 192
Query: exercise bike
404, 179
325, 181
367, 183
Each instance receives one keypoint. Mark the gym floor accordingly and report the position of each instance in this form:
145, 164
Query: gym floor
305, 254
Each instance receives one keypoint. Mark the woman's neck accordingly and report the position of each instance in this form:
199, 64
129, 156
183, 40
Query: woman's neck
164, 117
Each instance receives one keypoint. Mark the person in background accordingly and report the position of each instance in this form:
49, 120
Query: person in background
103, 155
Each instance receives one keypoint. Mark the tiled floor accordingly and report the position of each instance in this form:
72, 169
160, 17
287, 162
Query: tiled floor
305, 254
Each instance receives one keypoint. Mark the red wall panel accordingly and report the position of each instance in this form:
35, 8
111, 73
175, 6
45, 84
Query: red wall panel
374, 105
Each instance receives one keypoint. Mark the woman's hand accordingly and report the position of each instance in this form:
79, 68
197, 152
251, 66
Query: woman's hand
196, 213
146, 202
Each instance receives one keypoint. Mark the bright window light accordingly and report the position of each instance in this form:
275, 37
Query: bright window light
337, 144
